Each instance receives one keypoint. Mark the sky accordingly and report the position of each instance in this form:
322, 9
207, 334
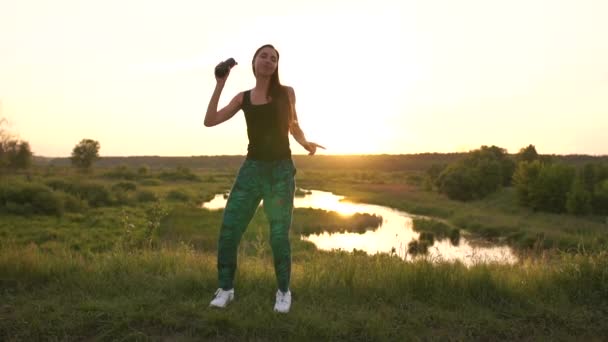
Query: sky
370, 77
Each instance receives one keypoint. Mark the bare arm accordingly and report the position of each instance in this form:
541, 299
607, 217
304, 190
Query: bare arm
296, 130
215, 117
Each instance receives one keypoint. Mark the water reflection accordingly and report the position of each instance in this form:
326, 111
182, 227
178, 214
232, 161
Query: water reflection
393, 235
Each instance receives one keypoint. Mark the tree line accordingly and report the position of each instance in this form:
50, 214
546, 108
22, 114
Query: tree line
542, 183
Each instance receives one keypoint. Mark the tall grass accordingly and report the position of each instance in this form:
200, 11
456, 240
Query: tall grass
132, 294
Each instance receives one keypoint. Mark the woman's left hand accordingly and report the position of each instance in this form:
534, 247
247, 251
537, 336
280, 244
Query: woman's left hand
311, 147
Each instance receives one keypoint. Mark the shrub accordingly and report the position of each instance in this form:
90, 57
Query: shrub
177, 195
150, 182
122, 197
143, 170
125, 186
96, 194
58, 184
180, 173
30, 198
121, 172
146, 196
74, 204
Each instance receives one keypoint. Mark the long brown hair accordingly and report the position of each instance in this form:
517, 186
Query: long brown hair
278, 92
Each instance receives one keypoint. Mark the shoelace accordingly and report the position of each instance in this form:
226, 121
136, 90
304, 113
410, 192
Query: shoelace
282, 297
218, 292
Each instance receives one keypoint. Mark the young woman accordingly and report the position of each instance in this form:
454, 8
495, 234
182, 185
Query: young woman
267, 173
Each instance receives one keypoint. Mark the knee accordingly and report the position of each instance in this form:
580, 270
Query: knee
279, 238
228, 233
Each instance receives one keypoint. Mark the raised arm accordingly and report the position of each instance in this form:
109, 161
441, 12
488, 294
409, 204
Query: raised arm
296, 130
215, 117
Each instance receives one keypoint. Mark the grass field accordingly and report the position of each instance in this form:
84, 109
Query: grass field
145, 270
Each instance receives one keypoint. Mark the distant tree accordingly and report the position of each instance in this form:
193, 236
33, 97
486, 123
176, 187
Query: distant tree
85, 153
432, 174
482, 172
524, 178
589, 176
599, 202
527, 154
19, 154
601, 172
499, 155
549, 191
14, 153
459, 182
4, 139
578, 200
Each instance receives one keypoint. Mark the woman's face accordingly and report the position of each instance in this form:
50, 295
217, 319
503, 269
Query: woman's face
266, 61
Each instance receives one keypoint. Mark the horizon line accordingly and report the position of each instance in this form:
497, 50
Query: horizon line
318, 155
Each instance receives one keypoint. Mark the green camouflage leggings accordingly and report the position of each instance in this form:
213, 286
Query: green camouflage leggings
274, 182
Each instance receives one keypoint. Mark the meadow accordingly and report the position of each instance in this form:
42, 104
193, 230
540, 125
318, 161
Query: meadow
126, 253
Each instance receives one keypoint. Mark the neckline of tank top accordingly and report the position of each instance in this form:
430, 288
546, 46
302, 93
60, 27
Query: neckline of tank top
256, 104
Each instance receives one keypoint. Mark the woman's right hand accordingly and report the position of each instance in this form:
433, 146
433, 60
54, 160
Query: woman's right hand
222, 80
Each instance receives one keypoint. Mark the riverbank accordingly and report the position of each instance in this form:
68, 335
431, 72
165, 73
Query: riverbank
496, 218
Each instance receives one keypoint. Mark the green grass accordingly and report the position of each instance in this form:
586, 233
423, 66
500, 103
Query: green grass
143, 294
126, 272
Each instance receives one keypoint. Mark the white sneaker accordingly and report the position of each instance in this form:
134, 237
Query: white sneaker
283, 302
222, 298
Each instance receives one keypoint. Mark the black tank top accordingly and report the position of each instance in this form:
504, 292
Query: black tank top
267, 140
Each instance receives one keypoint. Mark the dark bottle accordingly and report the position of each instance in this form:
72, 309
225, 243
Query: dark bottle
222, 69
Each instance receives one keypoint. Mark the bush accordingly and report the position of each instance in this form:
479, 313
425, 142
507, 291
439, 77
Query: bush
416, 247
95, 194
483, 172
58, 184
437, 229
177, 195
146, 196
121, 172
30, 198
143, 171
45, 201
73, 204
150, 182
125, 186
122, 197
180, 173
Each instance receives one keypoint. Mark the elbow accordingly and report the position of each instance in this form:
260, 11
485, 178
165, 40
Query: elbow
208, 122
